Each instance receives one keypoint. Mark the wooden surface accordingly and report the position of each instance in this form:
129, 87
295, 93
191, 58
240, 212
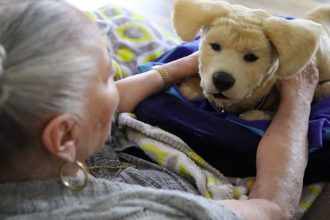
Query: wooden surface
159, 11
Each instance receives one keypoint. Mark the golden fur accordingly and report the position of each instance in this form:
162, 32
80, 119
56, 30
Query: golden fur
282, 47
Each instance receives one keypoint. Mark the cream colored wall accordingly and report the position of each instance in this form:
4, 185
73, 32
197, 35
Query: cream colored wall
159, 11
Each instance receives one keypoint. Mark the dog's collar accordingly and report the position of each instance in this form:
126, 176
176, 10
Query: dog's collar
219, 109
270, 74
264, 100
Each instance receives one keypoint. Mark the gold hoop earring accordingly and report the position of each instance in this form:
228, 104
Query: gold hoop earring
69, 185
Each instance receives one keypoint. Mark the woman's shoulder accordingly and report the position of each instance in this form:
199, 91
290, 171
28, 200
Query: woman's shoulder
112, 200
147, 201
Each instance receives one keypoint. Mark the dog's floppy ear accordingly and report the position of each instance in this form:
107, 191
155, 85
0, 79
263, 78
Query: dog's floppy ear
296, 42
190, 15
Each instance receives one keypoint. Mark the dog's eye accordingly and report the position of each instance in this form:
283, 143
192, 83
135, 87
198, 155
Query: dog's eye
250, 57
215, 46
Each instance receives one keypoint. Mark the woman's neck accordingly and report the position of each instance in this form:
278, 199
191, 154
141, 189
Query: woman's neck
34, 166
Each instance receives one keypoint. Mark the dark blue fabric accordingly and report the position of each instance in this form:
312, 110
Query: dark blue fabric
222, 139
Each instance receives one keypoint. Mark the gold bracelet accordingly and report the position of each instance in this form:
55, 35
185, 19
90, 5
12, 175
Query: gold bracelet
167, 79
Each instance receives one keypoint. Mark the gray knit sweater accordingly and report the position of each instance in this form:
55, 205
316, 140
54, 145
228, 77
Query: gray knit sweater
103, 199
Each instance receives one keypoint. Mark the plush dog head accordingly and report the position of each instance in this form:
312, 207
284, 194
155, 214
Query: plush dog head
243, 50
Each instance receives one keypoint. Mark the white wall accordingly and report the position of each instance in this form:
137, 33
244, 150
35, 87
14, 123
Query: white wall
88, 4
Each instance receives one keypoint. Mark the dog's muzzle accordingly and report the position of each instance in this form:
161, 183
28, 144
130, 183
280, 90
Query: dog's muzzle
223, 81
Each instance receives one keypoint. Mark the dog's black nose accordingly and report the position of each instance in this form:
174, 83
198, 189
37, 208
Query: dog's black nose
223, 81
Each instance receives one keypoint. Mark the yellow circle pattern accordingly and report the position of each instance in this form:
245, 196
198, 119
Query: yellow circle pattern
146, 36
152, 57
125, 54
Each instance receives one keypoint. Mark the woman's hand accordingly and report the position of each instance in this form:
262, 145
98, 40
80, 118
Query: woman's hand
282, 152
300, 86
132, 90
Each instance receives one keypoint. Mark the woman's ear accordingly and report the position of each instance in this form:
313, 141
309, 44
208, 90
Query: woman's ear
60, 135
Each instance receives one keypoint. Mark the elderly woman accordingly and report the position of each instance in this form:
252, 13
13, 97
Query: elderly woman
57, 99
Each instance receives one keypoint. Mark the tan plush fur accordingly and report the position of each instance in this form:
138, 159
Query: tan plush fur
231, 34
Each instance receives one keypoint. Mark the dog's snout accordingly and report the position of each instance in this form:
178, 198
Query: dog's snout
223, 81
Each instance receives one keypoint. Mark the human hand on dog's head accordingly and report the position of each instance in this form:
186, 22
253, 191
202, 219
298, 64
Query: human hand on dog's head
243, 51
300, 86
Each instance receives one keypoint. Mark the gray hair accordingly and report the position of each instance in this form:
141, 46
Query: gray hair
48, 52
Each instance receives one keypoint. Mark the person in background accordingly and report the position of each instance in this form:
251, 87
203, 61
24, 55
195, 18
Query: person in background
57, 101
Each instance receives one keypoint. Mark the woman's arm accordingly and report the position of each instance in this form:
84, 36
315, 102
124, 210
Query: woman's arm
282, 153
132, 90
